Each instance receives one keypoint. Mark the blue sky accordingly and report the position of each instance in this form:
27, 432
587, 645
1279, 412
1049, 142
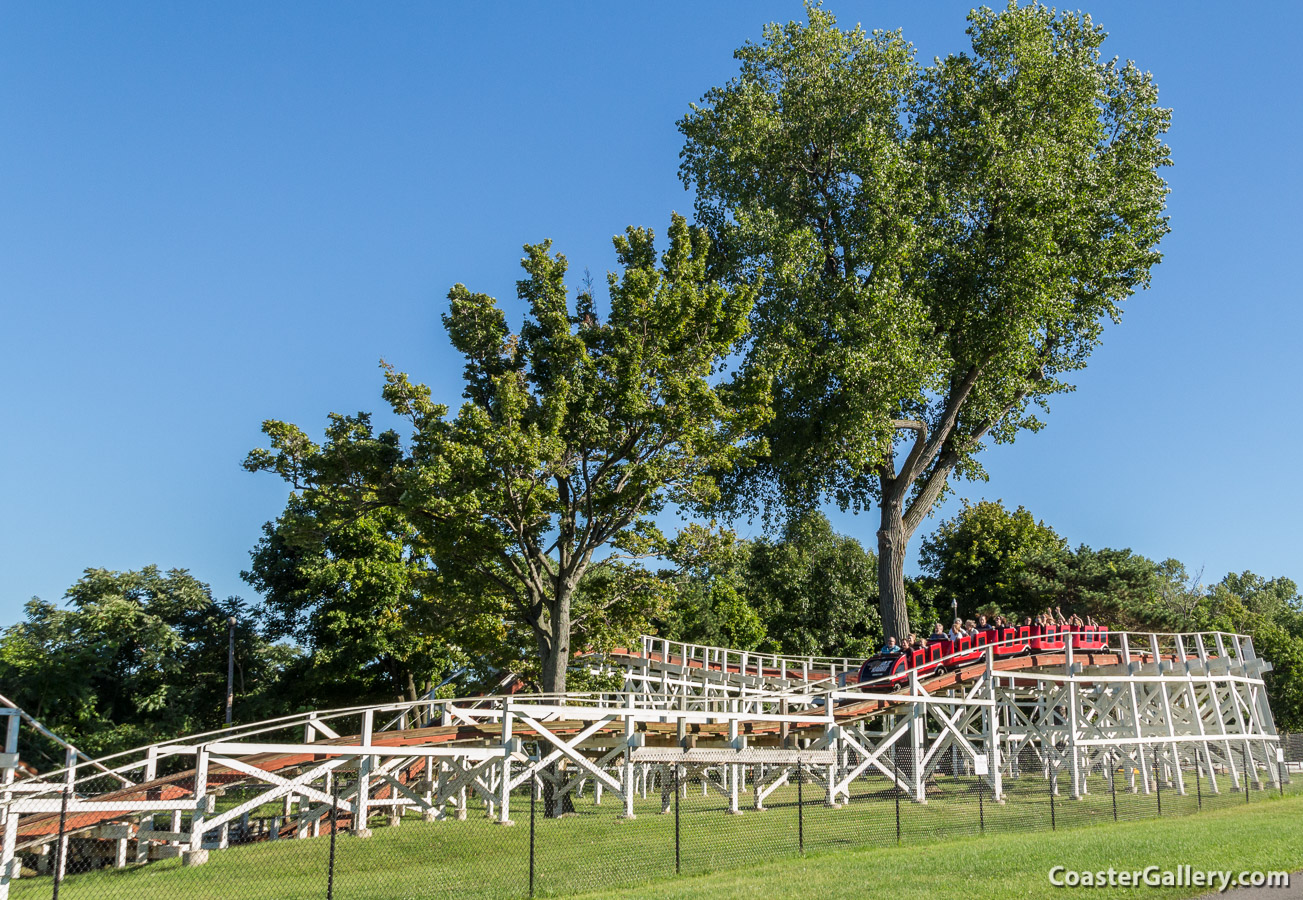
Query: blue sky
213, 215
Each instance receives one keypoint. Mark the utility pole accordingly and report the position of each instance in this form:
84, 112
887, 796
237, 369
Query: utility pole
230, 669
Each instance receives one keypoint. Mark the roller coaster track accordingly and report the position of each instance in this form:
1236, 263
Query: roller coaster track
1158, 700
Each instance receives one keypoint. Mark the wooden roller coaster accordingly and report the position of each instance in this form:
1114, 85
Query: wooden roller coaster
1076, 701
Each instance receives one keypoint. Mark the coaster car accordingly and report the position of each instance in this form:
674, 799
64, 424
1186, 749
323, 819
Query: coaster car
892, 669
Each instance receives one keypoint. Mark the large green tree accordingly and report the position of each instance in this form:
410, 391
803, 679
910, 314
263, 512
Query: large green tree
801, 592
810, 588
711, 597
1118, 587
941, 246
365, 603
1271, 611
136, 657
575, 433
978, 558
991, 559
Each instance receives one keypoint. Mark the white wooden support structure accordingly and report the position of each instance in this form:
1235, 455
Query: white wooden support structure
10, 865
917, 737
991, 721
362, 803
504, 775
1074, 727
627, 787
1149, 703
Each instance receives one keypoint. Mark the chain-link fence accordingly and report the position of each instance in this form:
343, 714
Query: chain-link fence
1291, 745
686, 819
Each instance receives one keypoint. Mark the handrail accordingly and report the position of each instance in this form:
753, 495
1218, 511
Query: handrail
727, 659
31, 720
649, 639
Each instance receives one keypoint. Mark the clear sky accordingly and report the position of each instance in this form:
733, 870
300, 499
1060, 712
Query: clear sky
214, 214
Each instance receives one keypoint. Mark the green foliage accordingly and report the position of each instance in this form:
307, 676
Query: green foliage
815, 590
801, 171
1271, 611
979, 557
365, 604
995, 561
1117, 587
575, 434
924, 605
710, 592
940, 245
135, 657
809, 592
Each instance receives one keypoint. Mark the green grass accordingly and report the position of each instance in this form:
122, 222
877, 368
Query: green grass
850, 851
995, 867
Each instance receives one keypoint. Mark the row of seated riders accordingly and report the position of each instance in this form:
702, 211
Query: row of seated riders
963, 644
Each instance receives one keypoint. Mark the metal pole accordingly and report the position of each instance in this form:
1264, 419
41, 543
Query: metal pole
1246, 784
1280, 776
533, 793
1053, 824
61, 848
230, 668
1112, 786
1158, 786
677, 859
334, 830
896, 768
981, 808
1198, 786
800, 808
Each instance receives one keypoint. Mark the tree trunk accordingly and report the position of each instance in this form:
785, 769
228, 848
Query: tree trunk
556, 656
555, 660
892, 542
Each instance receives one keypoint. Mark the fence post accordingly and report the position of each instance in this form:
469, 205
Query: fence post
61, 848
533, 794
800, 807
1198, 786
1246, 784
981, 807
677, 861
1280, 776
896, 768
334, 830
1158, 787
1112, 785
1053, 823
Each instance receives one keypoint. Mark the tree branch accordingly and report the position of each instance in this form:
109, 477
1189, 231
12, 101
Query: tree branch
1033, 379
920, 441
946, 424
933, 484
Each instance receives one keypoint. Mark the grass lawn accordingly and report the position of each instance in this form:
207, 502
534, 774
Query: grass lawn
958, 844
1016, 865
